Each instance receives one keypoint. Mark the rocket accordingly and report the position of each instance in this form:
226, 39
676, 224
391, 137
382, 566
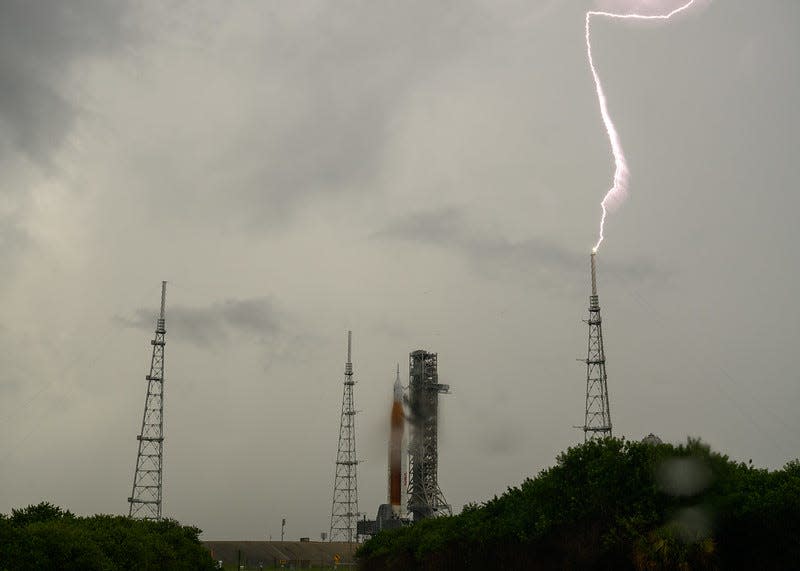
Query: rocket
397, 429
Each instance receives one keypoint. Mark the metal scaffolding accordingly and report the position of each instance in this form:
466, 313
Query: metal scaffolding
146, 495
425, 496
597, 420
344, 511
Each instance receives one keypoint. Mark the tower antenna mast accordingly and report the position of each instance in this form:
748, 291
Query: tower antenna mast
597, 419
146, 496
344, 509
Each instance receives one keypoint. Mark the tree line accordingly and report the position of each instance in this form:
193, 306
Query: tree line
45, 536
614, 504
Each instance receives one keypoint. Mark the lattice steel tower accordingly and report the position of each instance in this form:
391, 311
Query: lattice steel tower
597, 422
425, 497
344, 511
145, 499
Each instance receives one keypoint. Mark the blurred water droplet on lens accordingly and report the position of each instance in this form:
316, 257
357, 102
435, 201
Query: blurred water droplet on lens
693, 524
683, 476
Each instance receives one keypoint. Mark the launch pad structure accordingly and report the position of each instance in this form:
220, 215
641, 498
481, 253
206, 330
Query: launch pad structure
425, 497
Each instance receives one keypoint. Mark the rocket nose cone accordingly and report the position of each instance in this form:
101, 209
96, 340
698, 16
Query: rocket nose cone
398, 390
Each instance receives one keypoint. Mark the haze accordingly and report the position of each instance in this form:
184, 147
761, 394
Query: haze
425, 174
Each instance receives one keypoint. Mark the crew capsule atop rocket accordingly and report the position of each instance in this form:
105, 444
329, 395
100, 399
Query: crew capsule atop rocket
397, 428
398, 389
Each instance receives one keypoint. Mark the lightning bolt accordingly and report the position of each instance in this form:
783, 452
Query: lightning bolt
621, 173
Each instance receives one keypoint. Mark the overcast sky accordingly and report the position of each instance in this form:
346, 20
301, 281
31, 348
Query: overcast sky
425, 174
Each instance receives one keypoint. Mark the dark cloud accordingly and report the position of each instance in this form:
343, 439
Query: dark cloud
41, 47
203, 326
494, 256
39, 43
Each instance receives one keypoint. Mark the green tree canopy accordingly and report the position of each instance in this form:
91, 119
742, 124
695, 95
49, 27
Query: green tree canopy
46, 537
615, 504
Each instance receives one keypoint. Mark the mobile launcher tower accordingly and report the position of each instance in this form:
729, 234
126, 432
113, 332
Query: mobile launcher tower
425, 497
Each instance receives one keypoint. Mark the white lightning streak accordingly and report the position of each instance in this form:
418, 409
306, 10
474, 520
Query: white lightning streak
620, 185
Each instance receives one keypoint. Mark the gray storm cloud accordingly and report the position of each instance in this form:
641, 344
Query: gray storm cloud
203, 326
40, 43
492, 254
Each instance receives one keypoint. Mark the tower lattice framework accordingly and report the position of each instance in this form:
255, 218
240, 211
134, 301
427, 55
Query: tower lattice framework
344, 509
146, 496
425, 497
597, 421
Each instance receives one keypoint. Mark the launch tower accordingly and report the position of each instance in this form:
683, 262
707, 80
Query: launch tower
145, 498
425, 497
344, 511
597, 421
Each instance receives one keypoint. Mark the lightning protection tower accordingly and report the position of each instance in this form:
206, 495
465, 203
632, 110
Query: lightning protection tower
145, 499
597, 421
344, 511
425, 497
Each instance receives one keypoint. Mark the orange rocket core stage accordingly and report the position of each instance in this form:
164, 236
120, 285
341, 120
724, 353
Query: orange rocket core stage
396, 447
